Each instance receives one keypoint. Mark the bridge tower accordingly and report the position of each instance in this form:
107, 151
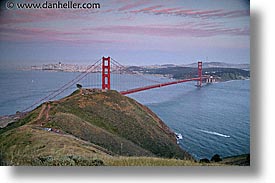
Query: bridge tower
199, 83
106, 73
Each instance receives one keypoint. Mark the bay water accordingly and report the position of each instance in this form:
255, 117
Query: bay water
213, 119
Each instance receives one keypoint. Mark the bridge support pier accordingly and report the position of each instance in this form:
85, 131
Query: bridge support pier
199, 83
106, 73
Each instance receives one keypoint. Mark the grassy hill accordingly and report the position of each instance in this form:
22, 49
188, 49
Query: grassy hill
89, 127
95, 128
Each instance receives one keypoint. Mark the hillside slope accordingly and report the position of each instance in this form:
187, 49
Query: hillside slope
89, 127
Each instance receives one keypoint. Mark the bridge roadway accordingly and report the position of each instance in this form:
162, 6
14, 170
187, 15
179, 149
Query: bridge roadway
160, 85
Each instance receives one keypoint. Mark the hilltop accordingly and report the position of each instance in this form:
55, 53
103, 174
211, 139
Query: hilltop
89, 127
95, 128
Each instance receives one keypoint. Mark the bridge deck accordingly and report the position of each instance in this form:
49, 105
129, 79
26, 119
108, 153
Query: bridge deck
158, 85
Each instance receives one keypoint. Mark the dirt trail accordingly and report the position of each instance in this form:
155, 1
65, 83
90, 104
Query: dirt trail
41, 112
44, 112
47, 111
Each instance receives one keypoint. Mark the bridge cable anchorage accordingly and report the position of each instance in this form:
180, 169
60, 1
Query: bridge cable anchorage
65, 86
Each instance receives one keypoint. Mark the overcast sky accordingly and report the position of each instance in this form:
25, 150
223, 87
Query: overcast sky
141, 32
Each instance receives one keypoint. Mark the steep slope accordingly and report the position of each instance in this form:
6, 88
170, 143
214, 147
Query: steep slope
91, 125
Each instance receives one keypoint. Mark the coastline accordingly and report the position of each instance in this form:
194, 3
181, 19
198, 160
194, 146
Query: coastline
216, 160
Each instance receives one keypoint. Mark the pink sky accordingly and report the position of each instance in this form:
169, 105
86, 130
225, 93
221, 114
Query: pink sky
135, 32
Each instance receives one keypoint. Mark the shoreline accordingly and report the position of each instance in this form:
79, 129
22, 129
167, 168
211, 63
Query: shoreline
13, 118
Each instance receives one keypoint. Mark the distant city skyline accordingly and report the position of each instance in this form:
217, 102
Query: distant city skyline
144, 32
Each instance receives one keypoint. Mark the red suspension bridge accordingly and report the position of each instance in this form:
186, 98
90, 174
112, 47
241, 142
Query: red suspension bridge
107, 74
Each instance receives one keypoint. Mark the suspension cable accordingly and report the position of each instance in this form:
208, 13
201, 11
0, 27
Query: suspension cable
136, 73
65, 86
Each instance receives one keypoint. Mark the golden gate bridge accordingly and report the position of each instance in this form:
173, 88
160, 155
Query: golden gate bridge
107, 70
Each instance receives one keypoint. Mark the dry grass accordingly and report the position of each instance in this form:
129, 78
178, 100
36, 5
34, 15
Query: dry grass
147, 161
29, 146
97, 129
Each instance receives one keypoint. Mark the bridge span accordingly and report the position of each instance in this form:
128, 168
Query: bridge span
106, 79
105, 66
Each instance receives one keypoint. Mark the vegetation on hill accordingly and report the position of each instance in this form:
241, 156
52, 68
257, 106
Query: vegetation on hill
177, 72
95, 128
87, 125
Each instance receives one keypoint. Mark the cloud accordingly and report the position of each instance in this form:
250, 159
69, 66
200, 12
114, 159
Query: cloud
148, 9
203, 30
132, 5
107, 34
179, 11
19, 25
43, 35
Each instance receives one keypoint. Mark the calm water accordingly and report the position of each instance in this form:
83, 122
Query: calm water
212, 120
